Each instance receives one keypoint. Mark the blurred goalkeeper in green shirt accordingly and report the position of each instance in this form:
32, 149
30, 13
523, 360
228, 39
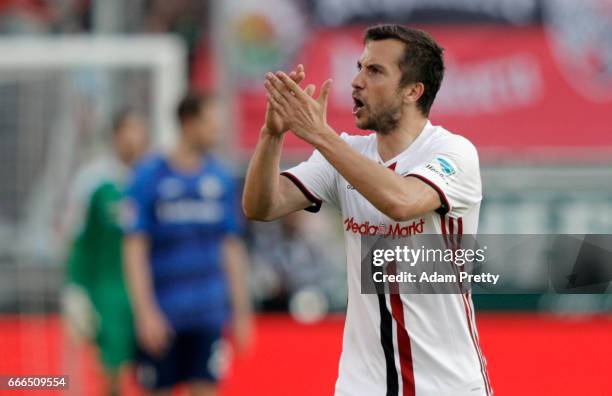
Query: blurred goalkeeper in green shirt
96, 303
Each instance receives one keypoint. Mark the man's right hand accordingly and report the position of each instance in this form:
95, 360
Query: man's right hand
154, 332
274, 124
267, 195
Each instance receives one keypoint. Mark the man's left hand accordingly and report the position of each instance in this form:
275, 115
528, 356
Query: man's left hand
304, 115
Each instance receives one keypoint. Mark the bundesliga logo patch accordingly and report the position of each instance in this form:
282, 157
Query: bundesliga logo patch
446, 166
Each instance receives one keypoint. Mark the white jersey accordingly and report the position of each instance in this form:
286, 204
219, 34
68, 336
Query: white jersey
406, 344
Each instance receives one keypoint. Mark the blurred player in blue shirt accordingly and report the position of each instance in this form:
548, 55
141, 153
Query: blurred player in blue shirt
185, 263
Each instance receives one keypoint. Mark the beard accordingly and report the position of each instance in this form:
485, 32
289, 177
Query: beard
383, 119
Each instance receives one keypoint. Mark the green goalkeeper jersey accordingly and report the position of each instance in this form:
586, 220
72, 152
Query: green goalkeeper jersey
95, 264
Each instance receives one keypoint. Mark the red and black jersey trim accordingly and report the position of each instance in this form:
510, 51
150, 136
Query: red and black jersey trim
316, 202
453, 241
445, 207
386, 341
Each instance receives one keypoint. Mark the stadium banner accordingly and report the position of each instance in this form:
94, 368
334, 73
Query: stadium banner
343, 12
506, 88
399, 260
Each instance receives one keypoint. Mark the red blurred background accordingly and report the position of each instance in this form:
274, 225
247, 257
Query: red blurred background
527, 354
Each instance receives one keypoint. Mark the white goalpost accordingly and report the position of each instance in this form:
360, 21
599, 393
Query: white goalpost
164, 55
57, 97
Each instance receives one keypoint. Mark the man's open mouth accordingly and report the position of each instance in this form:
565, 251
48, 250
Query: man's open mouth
357, 105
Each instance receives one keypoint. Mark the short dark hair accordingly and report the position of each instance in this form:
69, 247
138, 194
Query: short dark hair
192, 104
422, 60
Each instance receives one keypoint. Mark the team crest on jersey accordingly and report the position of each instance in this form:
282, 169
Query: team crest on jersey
446, 166
210, 187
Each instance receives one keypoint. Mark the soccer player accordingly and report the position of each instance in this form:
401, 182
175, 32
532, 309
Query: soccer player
409, 172
184, 260
94, 266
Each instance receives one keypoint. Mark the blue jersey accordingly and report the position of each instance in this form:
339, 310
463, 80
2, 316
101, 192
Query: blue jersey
186, 216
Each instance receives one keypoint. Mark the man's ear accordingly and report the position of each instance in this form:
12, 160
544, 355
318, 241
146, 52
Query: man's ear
413, 92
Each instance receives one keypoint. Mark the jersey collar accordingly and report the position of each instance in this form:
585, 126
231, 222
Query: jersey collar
413, 146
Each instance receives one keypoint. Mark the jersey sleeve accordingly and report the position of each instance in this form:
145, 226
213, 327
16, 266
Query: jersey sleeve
80, 264
137, 208
454, 172
316, 178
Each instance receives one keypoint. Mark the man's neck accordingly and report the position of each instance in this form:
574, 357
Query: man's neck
399, 139
185, 157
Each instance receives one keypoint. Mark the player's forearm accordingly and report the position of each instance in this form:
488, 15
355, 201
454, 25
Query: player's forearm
138, 274
261, 187
383, 188
236, 269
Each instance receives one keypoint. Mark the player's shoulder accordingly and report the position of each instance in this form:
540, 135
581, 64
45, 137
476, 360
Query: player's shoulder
358, 142
105, 188
91, 175
108, 192
149, 166
442, 140
222, 167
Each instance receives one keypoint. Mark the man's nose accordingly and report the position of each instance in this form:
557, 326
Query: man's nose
357, 82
